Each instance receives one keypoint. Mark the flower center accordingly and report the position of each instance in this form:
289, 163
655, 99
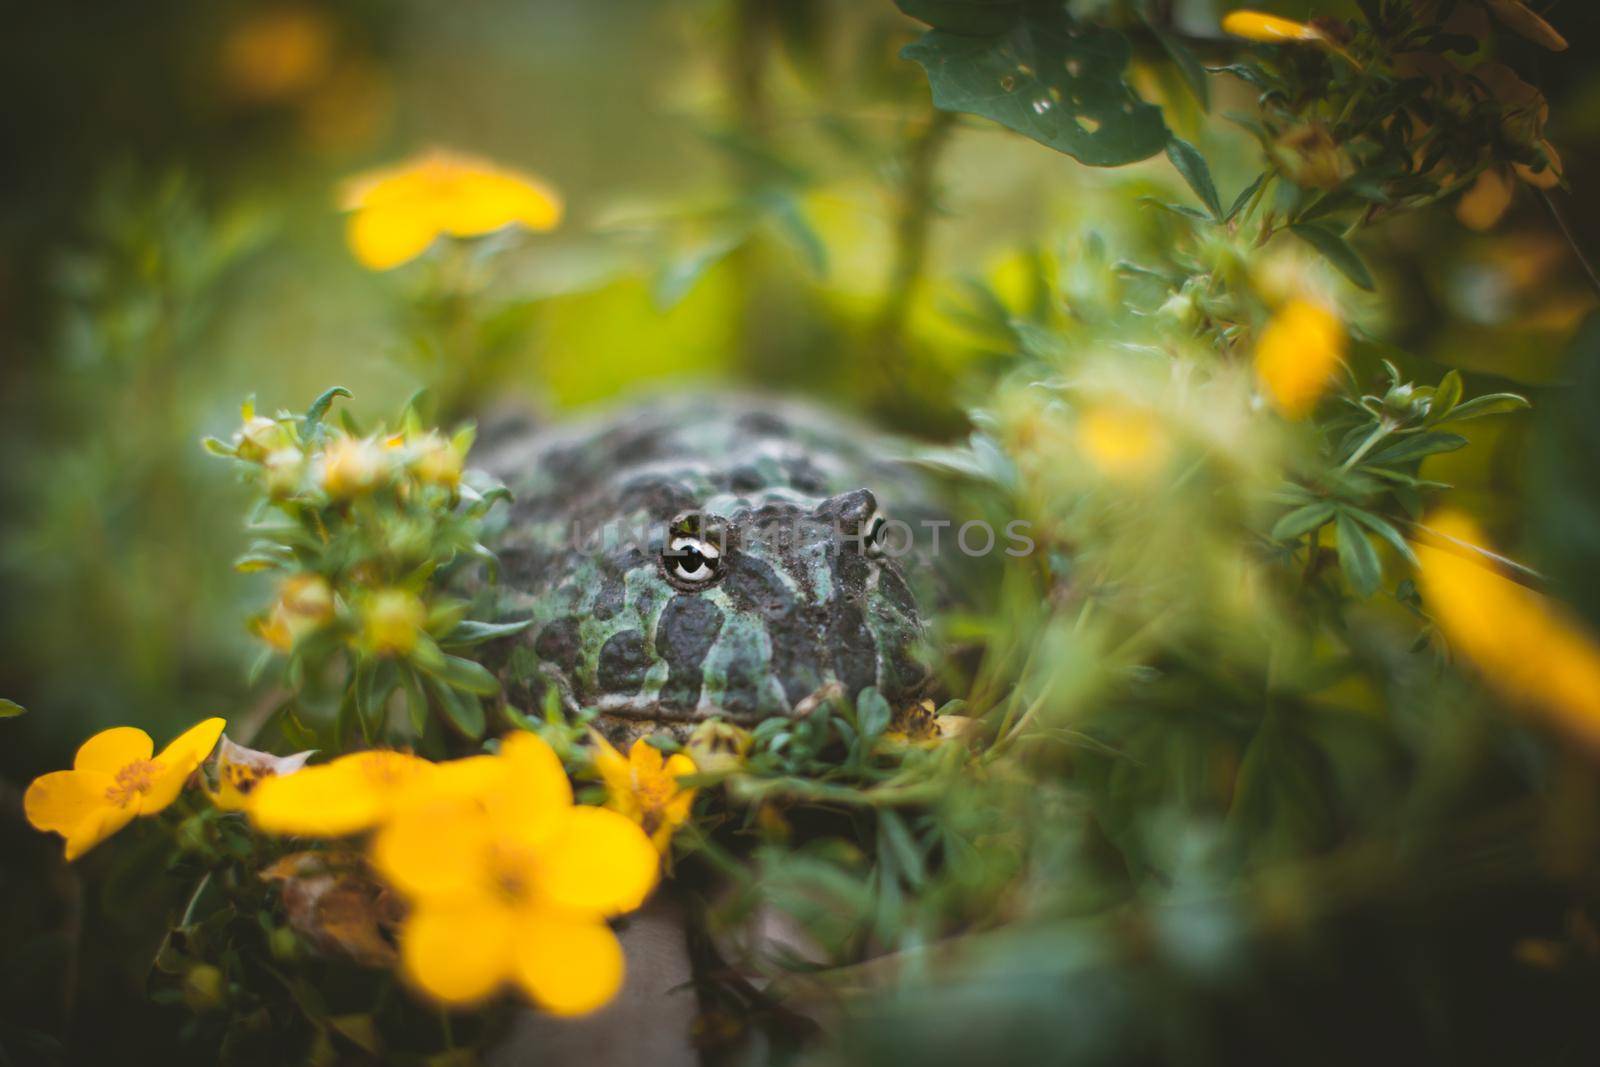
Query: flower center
509, 871
136, 777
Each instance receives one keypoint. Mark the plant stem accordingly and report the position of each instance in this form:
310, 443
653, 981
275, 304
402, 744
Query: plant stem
911, 231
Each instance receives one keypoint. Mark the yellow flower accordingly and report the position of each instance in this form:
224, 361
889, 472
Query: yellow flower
399, 212
1122, 442
1270, 29
277, 54
645, 788
1529, 648
351, 466
1297, 355
114, 778
305, 604
436, 461
391, 622
260, 436
509, 881
348, 795
241, 769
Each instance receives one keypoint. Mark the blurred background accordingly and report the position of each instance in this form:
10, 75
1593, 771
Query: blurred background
751, 197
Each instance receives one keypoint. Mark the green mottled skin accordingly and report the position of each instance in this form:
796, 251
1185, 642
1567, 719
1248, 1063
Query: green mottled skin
783, 622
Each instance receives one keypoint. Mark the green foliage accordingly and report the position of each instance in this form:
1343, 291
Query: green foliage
1040, 72
366, 527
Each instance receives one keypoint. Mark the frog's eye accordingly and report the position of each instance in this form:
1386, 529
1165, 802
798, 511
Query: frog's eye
695, 552
692, 561
872, 534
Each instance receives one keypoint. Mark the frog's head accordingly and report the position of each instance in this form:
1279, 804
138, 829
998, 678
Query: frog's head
742, 605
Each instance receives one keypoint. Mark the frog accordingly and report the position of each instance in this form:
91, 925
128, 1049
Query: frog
709, 556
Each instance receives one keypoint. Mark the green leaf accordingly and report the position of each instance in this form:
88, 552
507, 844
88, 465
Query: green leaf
1415, 447
1302, 520
1049, 78
416, 701
1357, 558
897, 836
464, 674
1192, 165
319, 407
872, 715
1337, 251
1244, 196
10, 709
1384, 529
1281, 806
463, 710
218, 447
470, 633
681, 272
1490, 404
1446, 395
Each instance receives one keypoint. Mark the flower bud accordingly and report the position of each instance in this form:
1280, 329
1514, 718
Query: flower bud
352, 466
285, 469
392, 621
436, 462
260, 436
718, 747
305, 603
204, 988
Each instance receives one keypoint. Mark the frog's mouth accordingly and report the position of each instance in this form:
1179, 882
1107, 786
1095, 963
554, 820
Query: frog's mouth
639, 710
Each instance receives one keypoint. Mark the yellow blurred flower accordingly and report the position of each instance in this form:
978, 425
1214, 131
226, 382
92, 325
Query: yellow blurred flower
392, 621
509, 881
1483, 205
1297, 354
437, 461
348, 795
1122, 442
351, 466
1529, 648
114, 778
277, 53
399, 212
1269, 29
304, 605
241, 769
644, 786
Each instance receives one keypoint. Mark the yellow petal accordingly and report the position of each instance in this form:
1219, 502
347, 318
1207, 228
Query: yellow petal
599, 862
191, 748
1255, 26
567, 966
1297, 355
645, 758
470, 778
111, 750
351, 794
62, 800
96, 828
436, 850
458, 954
615, 769
480, 202
383, 238
1486, 202
1532, 650
539, 798
677, 809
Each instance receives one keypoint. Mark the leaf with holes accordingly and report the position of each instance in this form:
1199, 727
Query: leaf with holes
1050, 78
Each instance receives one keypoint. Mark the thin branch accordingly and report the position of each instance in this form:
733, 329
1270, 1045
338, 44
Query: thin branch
1572, 239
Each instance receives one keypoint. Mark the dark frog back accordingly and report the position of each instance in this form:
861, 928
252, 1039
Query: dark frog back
708, 555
